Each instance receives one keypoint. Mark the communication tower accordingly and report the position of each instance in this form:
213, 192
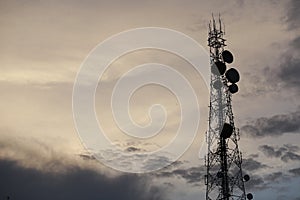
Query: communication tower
224, 177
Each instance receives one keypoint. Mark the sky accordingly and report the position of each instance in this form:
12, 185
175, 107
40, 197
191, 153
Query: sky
45, 43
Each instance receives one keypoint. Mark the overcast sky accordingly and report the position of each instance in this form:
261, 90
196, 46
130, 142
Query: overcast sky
43, 44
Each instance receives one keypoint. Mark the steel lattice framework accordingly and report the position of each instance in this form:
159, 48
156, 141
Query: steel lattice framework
224, 177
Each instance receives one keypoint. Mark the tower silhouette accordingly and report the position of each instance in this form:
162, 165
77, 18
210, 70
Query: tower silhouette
224, 176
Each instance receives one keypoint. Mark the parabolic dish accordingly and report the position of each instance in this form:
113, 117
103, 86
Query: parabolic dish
227, 56
233, 88
246, 177
232, 75
249, 196
226, 131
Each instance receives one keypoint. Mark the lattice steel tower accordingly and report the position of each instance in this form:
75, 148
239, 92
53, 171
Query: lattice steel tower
224, 178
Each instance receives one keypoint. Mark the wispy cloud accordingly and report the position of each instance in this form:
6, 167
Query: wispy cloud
249, 164
285, 153
273, 126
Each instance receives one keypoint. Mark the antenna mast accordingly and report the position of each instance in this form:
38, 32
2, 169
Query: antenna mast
224, 176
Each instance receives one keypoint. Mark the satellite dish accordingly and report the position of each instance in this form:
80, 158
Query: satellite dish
232, 75
217, 84
249, 196
226, 131
246, 178
227, 56
233, 88
218, 68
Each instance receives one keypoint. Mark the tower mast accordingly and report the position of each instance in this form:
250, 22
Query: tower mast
224, 176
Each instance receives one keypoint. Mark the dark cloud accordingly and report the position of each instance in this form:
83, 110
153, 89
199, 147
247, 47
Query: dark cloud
254, 155
295, 171
192, 175
32, 169
290, 71
87, 157
285, 153
273, 126
250, 164
132, 149
274, 177
290, 156
295, 44
293, 14
270, 151
76, 183
292, 148
255, 183
261, 182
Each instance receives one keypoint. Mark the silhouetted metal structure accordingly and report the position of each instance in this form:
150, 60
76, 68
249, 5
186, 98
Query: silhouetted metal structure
224, 178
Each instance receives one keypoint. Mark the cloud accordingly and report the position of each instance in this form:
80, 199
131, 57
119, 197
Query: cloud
31, 169
290, 71
87, 156
77, 183
195, 175
274, 126
270, 151
285, 153
295, 43
273, 177
293, 14
256, 183
265, 181
295, 171
290, 156
290, 67
192, 175
250, 164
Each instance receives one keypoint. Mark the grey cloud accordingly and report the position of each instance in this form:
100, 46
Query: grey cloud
295, 44
250, 164
290, 71
132, 149
274, 177
273, 126
76, 183
87, 157
295, 171
31, 169
270, 151
285, 153
290, 156
255, 183
195, 175
254, 155
192, 175
292, 148
293, 14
